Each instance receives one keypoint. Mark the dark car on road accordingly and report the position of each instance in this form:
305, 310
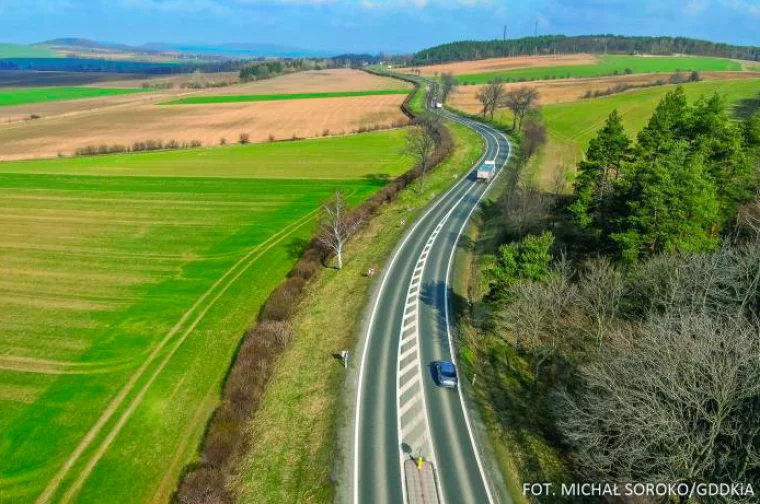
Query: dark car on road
446, 374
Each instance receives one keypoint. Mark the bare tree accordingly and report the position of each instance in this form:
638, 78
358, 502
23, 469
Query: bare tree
561, 295
520, 100
337, 226
675, 401
526, 316
491, 96
526, 210
421, 141
602, 290
534, 136
559, 178
448, 84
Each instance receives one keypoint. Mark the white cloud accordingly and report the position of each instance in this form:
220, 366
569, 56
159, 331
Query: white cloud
211, 6
750, 7
695, 7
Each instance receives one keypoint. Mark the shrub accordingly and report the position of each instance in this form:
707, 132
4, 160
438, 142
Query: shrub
283, 300
244, 138
277, 332
222, 141
223, 439
203, 485
306, 269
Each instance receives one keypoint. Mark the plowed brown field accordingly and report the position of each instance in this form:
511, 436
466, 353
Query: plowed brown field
65, 126
207, 123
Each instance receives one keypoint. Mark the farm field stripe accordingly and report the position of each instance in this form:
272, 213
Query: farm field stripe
119, 399
609, 65
24, 96
56, 368
77, 484
201, 100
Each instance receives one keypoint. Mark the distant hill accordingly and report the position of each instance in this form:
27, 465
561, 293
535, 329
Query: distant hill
87, 48
75, 43
561, 44
239, 50
25, 51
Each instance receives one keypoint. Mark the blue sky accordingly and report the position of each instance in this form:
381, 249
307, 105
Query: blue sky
370, 25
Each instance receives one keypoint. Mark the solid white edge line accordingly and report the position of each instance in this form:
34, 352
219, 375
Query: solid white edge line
448, 322
362, 363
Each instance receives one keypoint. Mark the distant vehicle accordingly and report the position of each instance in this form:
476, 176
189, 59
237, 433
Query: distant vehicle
438, 105
446, 374
486, 171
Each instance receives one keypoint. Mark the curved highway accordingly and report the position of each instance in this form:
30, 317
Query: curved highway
401, 414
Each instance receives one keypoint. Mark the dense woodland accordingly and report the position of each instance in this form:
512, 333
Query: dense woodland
113, 66
266, 70
249, 70
560, 44
635, 303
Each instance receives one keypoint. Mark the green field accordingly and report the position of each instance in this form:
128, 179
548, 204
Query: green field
9, 97
354, 156
608, 65
570, 126
25, 51
125, 290
202, 100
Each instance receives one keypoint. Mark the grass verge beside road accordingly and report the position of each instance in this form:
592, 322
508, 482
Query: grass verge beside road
294, 431
203, 100
26, 96
503, 390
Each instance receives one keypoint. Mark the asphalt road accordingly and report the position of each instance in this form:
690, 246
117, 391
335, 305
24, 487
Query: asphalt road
400, 411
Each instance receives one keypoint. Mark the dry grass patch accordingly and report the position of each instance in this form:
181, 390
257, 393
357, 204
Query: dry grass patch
51, 109
177, 79
315, 81
512, 63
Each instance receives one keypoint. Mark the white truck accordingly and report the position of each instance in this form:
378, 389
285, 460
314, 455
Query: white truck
438, 104
486, 170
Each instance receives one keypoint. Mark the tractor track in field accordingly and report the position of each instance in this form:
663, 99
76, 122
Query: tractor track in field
235, 271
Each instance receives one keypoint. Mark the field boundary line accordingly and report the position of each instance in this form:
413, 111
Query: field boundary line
119, 399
